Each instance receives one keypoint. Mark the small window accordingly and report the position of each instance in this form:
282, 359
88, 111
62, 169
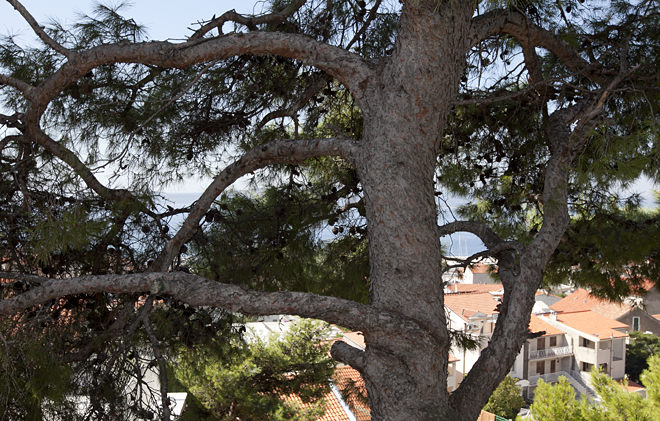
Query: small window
553, 341
540, 343
635, 324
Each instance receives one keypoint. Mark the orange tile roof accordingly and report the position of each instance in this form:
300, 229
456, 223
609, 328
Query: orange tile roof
468, 304
630, 386
581, 300
474, 288
592, 323
350, 382
536, 324
333, 409
657, 316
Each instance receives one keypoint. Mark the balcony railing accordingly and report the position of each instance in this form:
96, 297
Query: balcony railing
558, 351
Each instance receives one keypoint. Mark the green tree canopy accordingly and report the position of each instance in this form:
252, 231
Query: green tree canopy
506, 400
614, 401
350, 121
255, 380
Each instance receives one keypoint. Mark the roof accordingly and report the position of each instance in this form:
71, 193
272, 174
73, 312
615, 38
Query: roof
355, 339
536, 324
657, 316
333, 409
593, 324
468, 304
473, 288
581, 300
351, 384
630, 386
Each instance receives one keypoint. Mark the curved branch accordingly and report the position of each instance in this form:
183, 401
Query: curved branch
349, 68
72, 160
519, 26
25, 88
199, 291
275, 152
249, 21
485, 233
39, 30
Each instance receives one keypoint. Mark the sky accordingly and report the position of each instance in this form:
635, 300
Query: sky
169, 19
164, 19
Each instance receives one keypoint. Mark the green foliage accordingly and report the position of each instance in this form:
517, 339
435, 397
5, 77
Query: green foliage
651, 379
506, 400
604, 244
557, 402
640, 348
34, 381
253, 381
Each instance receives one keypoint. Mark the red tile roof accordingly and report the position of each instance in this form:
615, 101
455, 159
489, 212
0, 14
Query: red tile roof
581, 300
333, 409
466, 305
350, 383
592, 323
536, 324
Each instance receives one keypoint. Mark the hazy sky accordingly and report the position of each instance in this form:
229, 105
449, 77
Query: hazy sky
163, 19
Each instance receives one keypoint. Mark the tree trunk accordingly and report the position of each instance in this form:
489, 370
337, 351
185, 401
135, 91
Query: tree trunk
406, 377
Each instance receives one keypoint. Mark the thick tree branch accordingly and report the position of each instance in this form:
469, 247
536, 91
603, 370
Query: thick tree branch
25, 88
509, 335
248, 21
275, 152
519, 26
349, 68
72, 160
198, 291
39, 30
343, 352
485, 233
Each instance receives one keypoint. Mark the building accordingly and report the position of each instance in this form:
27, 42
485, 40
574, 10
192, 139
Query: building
635, 311
565, 344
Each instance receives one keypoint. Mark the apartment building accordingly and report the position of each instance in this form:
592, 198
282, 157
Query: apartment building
561, 344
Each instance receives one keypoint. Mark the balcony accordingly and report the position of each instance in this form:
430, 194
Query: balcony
558, 351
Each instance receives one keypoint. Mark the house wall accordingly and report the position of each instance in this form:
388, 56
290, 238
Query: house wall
647, 323
599, 354
652, 301
482, 278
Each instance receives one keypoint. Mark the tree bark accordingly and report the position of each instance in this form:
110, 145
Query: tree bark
406, 378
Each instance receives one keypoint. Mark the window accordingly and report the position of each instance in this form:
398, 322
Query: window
553, 366
587, 343
553, 341
540, 343
586, 366
540, 367
635, 323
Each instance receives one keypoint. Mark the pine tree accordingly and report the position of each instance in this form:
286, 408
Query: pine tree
364, 113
